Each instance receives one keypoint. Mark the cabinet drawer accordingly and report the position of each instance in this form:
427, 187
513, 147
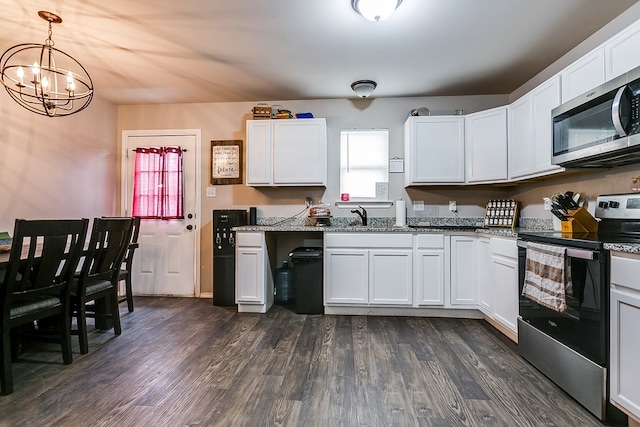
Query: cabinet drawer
430, 241
625, 272
249, 239
368, 240
504, 247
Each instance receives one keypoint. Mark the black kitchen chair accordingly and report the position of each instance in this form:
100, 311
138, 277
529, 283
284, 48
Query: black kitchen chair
94, 292
127, 265
36, 284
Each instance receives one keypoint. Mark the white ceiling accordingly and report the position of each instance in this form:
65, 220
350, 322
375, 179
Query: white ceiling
174, 51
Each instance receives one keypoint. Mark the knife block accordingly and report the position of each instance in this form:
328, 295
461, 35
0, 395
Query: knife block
579, 221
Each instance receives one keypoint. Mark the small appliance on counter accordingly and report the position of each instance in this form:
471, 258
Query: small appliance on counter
320, 215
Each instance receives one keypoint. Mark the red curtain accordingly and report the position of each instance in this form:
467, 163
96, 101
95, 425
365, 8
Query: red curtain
157, 185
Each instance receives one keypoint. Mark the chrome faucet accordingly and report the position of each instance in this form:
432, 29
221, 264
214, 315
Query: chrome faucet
362, 215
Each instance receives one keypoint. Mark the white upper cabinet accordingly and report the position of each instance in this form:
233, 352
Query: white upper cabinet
583, 75
621, 52
287, 152
520, 138
486, 145
544, 99
434, 150
531, 131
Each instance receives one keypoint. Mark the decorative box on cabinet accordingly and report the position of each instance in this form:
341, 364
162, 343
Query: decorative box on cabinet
434, 150
486, 145
287, 152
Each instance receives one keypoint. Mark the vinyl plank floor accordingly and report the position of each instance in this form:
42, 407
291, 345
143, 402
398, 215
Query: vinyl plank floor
184, 362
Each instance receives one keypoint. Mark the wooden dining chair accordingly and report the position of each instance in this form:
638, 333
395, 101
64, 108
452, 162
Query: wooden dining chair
127, 265
94, 292
36, 284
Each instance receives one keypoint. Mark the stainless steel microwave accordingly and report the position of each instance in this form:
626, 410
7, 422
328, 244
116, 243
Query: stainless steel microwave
600, 128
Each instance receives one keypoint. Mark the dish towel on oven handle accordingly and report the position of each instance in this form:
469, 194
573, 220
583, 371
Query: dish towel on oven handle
547, 277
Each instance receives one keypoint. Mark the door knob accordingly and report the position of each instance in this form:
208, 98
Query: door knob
189, 227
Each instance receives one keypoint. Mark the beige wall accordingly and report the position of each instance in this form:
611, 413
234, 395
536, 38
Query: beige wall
219, 121
61, 167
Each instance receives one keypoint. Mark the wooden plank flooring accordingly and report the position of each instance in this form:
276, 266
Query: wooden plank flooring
183, 362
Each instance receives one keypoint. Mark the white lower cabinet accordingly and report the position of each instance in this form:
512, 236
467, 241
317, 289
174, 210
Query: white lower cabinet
254, 281
429, 269
484, 276
391, 276
463, 265
346, 276
504, 265
368, 269
625, 335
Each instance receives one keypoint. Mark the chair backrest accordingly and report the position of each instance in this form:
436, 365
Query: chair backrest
135, 232
43, 259
110, 238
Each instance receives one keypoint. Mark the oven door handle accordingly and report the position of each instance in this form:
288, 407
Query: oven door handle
571, 252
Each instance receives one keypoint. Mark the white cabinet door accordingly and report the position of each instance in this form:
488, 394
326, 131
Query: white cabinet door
621, 52
286, 152
625, 335
504, 256
299, 152
520, 138
544, 99
429, 276
434, 150
583, 75
485, 276
391, 276
486, 145
463, 262
250, 278
259, 152
346, 274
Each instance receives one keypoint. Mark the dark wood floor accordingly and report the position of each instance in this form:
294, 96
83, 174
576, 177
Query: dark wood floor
183, 362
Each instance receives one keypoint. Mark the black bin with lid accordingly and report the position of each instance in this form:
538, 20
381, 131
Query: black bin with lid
307, 277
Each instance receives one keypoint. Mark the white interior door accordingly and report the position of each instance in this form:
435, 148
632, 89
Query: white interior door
165, 262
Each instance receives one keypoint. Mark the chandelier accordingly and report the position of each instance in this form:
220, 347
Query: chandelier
45, 80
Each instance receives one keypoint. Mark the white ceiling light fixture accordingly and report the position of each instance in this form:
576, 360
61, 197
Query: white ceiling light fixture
56, 84
375, 10
363, 88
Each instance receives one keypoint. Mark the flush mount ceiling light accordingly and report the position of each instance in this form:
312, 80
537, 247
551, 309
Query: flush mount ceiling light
363, 88
58, 85
375, 10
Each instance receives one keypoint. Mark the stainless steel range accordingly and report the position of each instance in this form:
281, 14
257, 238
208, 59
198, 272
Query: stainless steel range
571, 347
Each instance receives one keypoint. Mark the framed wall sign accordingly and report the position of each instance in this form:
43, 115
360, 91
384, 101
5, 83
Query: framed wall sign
226, 162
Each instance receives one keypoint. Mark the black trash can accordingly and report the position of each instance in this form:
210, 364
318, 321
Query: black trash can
307, 279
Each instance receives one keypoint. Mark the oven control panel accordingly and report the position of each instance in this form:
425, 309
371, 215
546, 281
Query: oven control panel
618, 206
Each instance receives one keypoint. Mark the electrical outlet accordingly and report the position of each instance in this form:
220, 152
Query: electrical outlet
547, 205
418, 206
211, 192
452, 206
308, 202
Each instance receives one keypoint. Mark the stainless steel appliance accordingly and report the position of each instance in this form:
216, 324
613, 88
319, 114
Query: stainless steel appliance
600, 128
224, 255
572, 347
